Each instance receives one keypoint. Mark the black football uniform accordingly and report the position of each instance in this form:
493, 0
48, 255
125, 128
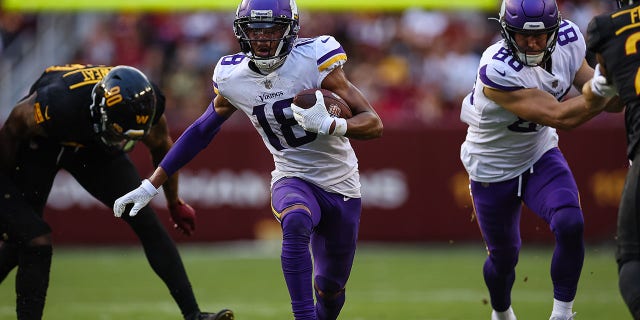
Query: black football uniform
615, 36
18, 221
608, 35
62, 109
64, 97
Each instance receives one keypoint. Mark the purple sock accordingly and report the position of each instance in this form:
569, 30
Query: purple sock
330, 300
499, 275
567, 225
296, 262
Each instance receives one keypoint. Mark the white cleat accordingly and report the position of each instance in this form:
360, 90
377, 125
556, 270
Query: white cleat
570, 317
505, 315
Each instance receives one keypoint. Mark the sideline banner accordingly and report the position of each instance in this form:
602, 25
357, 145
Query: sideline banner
414, 190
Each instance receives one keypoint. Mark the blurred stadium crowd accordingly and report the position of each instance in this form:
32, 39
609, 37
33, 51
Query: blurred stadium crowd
415, 66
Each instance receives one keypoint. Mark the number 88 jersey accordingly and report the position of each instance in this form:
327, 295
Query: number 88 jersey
499, 145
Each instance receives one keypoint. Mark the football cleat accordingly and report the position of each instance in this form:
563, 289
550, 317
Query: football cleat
571, 317
506, 315
224, 314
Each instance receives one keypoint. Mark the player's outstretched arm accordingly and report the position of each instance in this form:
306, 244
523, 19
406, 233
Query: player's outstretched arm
195, 138
598, 89
540, 107
159, 143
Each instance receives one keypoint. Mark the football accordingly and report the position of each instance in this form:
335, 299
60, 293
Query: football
336, 106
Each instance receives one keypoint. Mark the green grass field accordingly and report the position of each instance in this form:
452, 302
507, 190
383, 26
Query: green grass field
431, 282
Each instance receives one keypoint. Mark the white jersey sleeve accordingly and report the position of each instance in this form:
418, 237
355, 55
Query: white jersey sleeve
499, 145
324, 160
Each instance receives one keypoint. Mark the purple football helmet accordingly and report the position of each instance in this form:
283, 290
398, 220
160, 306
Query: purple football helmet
530, 17
275, 21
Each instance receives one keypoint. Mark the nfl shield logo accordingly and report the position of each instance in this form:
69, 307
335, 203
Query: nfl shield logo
554, 84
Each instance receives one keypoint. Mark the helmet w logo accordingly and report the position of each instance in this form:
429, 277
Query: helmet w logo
142, 119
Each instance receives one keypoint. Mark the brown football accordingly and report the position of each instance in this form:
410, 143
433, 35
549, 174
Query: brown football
336, 106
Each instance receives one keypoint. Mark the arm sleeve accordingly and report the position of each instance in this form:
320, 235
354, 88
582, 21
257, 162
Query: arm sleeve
195, 138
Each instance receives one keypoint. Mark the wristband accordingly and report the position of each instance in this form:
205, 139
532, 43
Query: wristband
341, 127
148, 187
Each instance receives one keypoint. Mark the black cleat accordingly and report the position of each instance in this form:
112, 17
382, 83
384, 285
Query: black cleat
224, 314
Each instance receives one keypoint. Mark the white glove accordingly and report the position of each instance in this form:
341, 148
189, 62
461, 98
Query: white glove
600, 87
140, 197
316, 118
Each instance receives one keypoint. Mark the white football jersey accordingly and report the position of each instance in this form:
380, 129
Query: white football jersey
499, 145
327, 161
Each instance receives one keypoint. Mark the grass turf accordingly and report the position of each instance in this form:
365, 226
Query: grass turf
428, 282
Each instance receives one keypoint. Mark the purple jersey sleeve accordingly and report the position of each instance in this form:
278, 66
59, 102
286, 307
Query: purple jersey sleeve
197, 136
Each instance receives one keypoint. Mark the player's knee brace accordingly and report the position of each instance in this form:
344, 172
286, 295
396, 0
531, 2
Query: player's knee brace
327, 289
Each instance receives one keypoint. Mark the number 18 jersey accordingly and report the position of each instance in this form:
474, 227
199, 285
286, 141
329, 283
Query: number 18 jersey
499, 145
327, 161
